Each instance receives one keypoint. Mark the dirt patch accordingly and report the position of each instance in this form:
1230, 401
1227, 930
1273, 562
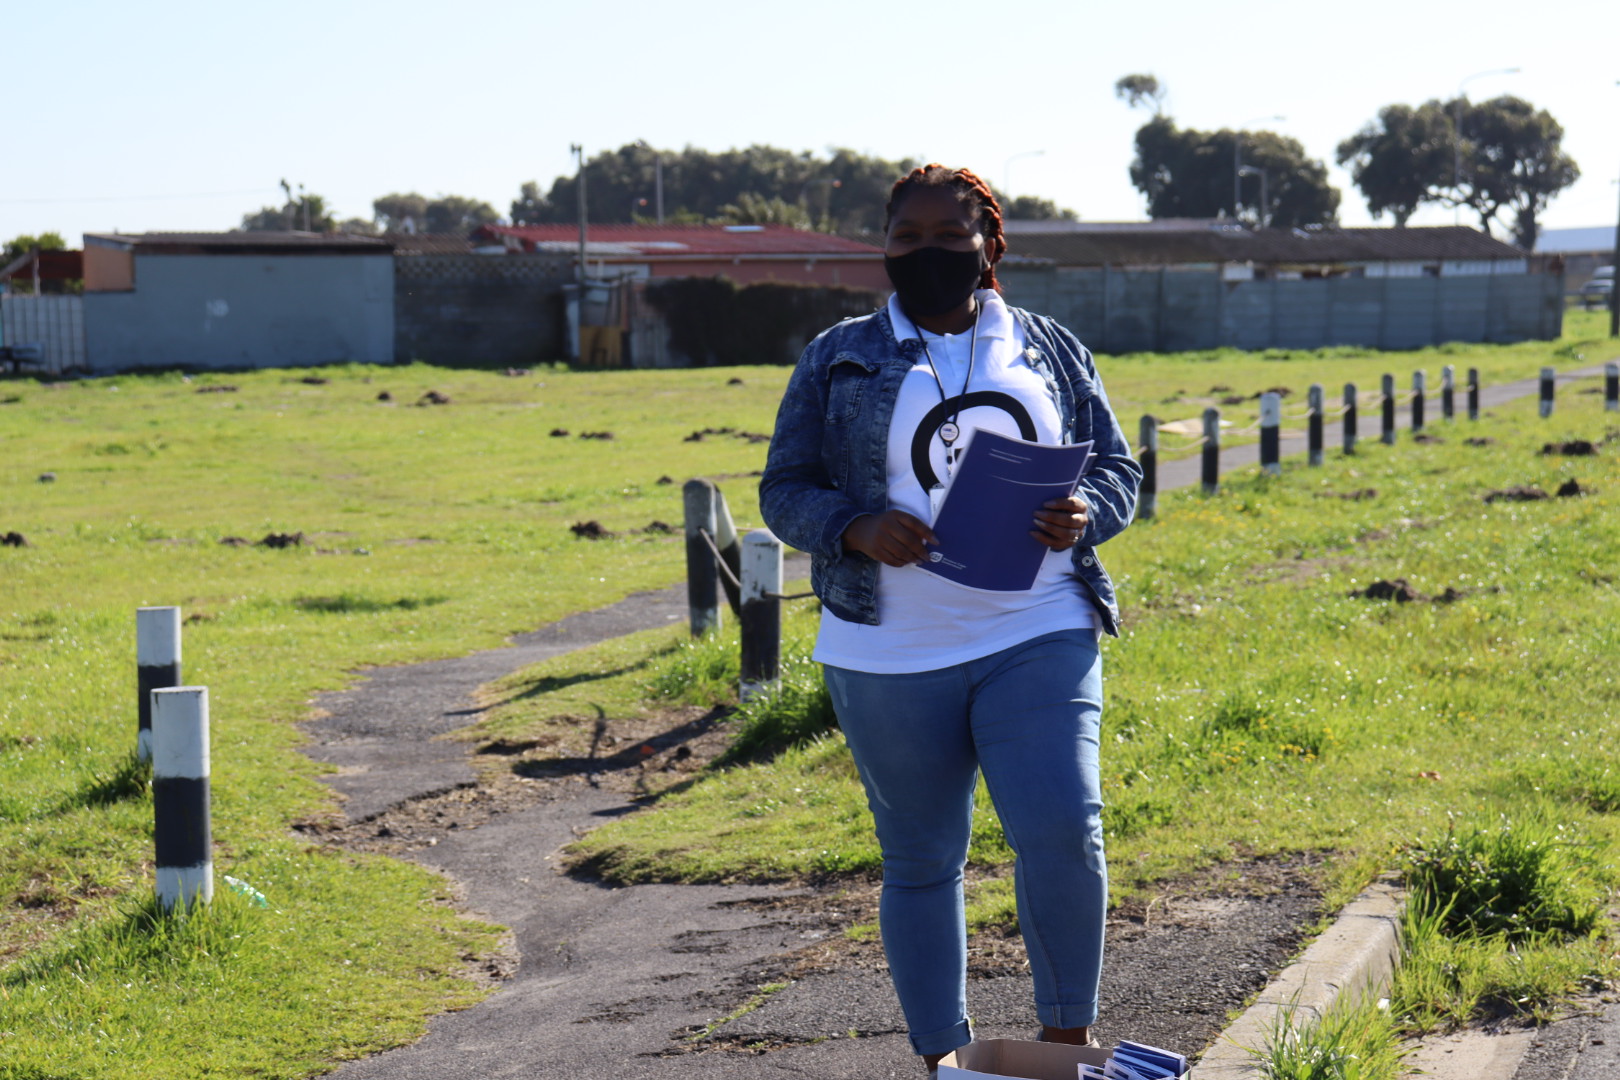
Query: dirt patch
603, 436
433, 397
282, 540
1572, 448
663, 480
1352, 496
559, 433
385, 396
638, 756
47, 478
1479, 440
1399, 590
518, 372
746, 436
664, 528
1570, 488
1522, 493
14, 539
314, 380
590, 530
221, 388
1425, 437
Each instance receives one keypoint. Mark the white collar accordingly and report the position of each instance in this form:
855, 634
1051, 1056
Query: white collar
995, 321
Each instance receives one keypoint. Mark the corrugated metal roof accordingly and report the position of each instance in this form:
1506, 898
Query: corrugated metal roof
652, 241
241, 243
1227, 243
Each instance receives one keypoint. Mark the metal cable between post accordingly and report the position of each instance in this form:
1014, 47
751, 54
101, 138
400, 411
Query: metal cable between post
726, 570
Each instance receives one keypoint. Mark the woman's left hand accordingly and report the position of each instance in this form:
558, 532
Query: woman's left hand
1060, 523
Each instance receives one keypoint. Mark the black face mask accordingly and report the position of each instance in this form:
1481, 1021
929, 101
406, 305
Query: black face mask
932, 281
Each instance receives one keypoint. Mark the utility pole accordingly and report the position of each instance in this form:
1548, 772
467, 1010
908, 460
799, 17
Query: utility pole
1614, 285
579, 182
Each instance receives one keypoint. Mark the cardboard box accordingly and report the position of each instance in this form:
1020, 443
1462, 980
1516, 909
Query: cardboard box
995, 1059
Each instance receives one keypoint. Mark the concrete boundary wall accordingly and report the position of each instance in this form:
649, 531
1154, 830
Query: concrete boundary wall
1173, 310
480, 310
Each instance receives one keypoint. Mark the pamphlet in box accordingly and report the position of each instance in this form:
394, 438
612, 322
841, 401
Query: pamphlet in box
997, 1059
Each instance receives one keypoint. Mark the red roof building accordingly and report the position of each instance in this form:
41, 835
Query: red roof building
744, 253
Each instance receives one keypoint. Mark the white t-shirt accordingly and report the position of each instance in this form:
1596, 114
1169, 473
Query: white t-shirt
925, 621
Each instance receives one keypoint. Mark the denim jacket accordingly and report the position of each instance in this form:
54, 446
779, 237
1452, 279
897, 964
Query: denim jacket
828, 458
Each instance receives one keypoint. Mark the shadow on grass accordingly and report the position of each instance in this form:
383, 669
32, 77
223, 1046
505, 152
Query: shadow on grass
594, 763
552, 683
350, 604
129, 779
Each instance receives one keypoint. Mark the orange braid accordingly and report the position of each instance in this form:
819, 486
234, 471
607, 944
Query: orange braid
970, 190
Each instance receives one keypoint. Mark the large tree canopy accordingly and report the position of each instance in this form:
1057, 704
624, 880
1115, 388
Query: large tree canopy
1188, 173
842, 192
1500, 158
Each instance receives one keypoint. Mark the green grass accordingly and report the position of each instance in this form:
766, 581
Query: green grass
1256, 707
432, 531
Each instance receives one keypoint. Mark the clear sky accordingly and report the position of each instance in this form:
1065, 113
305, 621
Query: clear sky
164, 115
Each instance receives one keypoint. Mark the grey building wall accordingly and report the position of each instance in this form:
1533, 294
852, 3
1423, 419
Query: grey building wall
480, 310
1173, 310
244, 311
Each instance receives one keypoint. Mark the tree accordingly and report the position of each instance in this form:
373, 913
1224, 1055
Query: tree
1402, 160
1496, 157
1135, 90
1034, 208
753, 209
459, 214
18, 246
400, 212
843, 192
298, 213
1187, 173
1515, 162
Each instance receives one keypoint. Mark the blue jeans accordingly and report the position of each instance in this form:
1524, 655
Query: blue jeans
1029, 717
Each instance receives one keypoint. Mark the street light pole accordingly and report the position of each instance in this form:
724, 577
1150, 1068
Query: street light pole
1614, 284
579, 182
1456, 133
1260, 213
1006, 169
1237, 161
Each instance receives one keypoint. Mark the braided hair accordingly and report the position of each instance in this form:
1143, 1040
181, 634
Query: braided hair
969, 190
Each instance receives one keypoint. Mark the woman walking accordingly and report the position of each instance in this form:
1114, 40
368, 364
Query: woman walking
933, 682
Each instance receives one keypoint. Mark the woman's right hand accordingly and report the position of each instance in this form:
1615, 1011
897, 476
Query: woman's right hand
893, 538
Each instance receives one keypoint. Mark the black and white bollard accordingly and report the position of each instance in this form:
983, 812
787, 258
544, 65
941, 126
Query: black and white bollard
157, 666
702, 571
1448, 392
1549, 387
1271, 433
1313, 425
1147, 494
760, 623
1611, 387
1212, 451
1387, 435
180, 796
1473, 393
1351, 402
1420, 383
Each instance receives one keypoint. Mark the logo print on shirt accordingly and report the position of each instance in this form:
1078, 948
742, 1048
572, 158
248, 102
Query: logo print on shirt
923, 437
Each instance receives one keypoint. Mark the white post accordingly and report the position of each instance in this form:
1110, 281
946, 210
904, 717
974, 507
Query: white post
1271, 433
1549, 379
761, 621
180, 796
157, 665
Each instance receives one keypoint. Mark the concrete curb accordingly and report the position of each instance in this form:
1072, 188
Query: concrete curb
1354, 957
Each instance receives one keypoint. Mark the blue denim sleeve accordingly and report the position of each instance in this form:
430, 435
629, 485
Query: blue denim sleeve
797, 496
1111, 485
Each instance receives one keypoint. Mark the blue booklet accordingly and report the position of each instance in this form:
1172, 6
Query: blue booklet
984, 524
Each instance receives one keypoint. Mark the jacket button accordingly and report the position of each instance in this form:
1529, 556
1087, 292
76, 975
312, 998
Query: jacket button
1087, 560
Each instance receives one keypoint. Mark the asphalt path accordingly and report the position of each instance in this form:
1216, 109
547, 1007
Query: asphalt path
632, 982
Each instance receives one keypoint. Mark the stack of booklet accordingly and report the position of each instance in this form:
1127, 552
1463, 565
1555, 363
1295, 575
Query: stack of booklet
984, 524
1135, 1061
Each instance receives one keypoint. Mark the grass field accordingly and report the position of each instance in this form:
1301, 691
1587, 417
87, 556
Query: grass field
436, 529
